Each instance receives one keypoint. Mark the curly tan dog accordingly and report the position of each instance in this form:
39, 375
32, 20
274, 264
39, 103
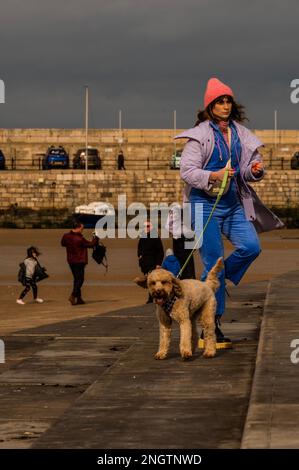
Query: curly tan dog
184, 301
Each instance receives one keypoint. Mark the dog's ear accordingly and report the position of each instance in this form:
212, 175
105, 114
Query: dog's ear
177, 287
141, 281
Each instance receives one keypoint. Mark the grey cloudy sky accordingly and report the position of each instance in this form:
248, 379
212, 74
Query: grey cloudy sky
146, 57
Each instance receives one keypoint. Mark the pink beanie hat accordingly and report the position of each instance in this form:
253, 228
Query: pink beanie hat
216, 88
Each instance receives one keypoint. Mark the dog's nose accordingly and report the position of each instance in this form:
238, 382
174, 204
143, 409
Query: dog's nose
158, 291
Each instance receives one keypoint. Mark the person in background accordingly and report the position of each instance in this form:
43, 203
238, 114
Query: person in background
31, 263
182, 236
182, 254
171, 263
121, 161
150, 251
76, 249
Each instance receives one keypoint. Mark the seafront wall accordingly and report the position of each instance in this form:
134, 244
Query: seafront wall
31, 197
27, 198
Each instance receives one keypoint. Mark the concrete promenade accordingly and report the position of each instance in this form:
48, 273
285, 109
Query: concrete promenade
273, 414
85, 377
94, 383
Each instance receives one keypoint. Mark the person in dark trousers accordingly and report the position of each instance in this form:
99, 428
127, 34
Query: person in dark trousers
121, 161
182, 236
76, 248
150, 251
30, 263
182, 255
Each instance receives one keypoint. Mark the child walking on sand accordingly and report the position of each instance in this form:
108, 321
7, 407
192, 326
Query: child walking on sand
30, 270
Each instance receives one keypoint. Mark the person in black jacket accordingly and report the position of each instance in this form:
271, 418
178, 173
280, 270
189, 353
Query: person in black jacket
150, 250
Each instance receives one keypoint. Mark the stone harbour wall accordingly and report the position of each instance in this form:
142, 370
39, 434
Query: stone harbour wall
31, 197
26, 198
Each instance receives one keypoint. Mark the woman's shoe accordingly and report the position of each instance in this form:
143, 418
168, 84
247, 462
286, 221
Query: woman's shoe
39, 301
20, 302
219, 335
221, 341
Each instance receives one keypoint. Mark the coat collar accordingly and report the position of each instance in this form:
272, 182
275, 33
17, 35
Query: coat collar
204, 132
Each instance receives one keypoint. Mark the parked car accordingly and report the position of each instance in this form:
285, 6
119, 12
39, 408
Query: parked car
55, 157
93, 161
2, 161
295, 161
176, 160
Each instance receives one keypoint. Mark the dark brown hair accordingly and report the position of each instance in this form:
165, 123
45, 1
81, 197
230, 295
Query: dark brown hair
237, 114
31, 250
77, 223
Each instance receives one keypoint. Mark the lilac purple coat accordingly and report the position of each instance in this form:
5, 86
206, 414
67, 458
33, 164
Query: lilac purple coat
196, 155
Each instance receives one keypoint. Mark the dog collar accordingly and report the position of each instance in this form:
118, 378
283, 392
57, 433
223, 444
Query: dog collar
167, 306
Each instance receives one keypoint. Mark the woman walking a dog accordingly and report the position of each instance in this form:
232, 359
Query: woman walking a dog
219, 144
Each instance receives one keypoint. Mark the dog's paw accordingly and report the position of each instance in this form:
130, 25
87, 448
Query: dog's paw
186, 354
160, 355
208, 354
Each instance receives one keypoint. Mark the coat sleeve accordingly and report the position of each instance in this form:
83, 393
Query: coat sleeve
63, 241
248, 175
191, 166
88, 244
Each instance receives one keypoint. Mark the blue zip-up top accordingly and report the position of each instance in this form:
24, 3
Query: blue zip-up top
172, 264
220, 157
221, 154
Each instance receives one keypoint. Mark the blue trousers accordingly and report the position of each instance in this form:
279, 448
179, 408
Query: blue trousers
228, 219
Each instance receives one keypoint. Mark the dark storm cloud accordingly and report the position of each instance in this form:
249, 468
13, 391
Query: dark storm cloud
146, 58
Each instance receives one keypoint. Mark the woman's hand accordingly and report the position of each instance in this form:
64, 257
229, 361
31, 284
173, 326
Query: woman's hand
219, 175
256, 168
